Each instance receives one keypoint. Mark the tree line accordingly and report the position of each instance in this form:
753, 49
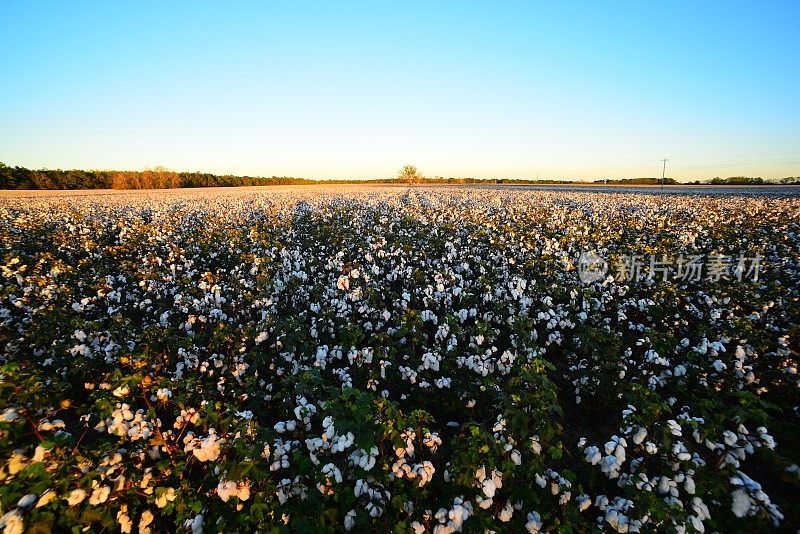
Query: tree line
757, 180
161, 178
155, 178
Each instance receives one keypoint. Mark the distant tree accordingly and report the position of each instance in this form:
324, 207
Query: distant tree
409, 174
7, 178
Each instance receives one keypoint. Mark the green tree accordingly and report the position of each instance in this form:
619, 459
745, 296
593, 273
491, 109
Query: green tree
410, 174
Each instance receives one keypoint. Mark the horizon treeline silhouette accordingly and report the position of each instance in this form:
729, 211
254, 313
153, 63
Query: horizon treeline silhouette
162, 178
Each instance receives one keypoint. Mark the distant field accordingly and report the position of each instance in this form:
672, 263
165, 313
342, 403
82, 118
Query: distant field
409, 359
686, 189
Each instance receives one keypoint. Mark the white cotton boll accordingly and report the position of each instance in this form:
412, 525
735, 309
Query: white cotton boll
497, 478
697, 524
534, 523
46, 498
12, 522
612, 518
609, 465
488, 487
483, 504
674, 427
767, 440
729, 437
331, 471
195, 524
601, 502
99, 495
206, 449
507, 512
741, 503
350, 520
76, 496
225, 489
26, 501
700, 509
592, 454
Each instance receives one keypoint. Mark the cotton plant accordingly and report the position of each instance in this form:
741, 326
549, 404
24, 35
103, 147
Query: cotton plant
245, 359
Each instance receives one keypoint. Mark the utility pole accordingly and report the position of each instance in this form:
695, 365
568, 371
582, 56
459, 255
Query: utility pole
663, 172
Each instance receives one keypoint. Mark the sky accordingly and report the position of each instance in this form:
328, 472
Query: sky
555, 90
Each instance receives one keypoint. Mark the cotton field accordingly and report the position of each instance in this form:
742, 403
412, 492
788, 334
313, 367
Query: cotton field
399, 359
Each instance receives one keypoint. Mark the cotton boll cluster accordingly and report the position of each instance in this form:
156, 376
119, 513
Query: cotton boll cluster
748, 499
432, 441
289, 489
46, 425
420, 472
534, 523
451, 520
616, 515
304, 411
363, 459
229, 488
611, 463
124, 422
279, 454
488, 483
374, 493
205, 449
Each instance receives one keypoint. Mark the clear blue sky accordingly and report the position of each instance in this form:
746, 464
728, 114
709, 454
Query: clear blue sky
335, 90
